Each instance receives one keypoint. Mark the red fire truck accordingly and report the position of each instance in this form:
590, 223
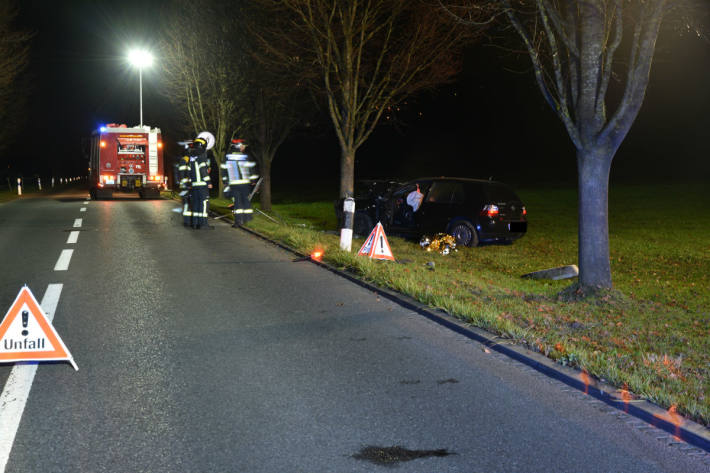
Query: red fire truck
126, 159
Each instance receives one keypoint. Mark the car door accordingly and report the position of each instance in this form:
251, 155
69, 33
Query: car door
399, 213
441, 203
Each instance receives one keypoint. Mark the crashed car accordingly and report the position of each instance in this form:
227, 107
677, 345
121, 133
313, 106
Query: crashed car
471, 210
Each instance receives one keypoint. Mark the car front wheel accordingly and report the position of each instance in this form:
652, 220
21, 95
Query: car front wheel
464, 233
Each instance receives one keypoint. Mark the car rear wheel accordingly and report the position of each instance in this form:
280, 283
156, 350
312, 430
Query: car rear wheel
464, 233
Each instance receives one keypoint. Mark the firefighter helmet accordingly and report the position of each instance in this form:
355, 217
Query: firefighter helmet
207, 138
238, 145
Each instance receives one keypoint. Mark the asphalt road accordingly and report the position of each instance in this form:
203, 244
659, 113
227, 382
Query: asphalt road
213, 351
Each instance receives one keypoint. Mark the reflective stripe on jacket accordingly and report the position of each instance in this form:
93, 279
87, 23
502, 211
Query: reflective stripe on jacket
198, 173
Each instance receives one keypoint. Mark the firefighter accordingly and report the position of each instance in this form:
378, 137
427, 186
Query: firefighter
199, 178
238, 173
184, 182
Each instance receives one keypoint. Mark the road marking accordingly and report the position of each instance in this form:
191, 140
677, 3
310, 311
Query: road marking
86, 201
83, 209
73, 237
17, 388
63, 261
77, 222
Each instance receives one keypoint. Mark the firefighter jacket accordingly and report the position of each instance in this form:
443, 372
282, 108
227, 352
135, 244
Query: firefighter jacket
238, 169
184, 172
198, 173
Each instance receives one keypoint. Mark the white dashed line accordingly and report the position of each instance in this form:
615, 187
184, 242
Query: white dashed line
73, 237
63, 261
17, 388
86, 202
77, 222
83, 209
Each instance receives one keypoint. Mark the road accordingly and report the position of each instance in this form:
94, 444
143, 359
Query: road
215, 351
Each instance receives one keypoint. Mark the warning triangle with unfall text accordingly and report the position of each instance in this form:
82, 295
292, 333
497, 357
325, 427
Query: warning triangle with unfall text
27, 335
376, 245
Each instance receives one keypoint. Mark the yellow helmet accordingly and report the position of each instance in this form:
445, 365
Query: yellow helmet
206, 138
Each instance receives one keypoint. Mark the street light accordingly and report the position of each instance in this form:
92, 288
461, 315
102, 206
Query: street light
140, 58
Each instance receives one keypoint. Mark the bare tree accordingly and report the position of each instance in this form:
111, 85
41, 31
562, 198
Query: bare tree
201, 73
273, 102
273, 117
578, 49
14, 57
363, 56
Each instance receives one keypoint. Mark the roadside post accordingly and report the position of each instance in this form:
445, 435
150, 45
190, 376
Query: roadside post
39, 183
19, 186
346, 233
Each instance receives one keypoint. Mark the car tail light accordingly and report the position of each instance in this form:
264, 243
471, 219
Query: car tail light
525, 211
490, 211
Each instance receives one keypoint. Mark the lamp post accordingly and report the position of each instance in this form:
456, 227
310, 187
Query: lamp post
140, 58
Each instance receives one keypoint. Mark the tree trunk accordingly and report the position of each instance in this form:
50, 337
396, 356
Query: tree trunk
593, 167
265, 187
220, 171
220, 183
347, 172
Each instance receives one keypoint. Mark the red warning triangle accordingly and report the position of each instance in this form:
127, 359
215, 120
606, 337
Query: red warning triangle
27, 335
376, 245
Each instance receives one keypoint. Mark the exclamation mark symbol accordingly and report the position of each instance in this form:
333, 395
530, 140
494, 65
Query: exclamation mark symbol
25, 319
382, 244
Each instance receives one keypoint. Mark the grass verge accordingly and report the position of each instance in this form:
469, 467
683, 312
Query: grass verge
6, 195
651, 335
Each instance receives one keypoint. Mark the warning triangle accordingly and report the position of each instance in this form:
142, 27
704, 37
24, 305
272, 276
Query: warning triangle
376, 245
27, 335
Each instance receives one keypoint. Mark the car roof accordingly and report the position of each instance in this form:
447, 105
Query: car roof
457, 179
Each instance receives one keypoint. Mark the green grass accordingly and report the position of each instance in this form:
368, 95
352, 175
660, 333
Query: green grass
651, 335
6, 195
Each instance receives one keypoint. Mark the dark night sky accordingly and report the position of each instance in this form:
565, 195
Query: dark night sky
80, 76
490, 122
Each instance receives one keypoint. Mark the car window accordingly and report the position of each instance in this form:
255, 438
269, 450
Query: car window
445, 192
458, 196
404, 190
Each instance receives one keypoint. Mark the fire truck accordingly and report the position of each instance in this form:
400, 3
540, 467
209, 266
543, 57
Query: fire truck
126, 159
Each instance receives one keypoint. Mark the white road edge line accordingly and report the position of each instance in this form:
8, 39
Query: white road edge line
17, 388
63, 261
77, 222
73, 237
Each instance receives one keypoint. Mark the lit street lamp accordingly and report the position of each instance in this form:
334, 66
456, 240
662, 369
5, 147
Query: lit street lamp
140, 58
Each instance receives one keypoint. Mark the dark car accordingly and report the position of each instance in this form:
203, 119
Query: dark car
471, 210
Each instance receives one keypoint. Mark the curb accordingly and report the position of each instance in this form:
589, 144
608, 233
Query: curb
677, 426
